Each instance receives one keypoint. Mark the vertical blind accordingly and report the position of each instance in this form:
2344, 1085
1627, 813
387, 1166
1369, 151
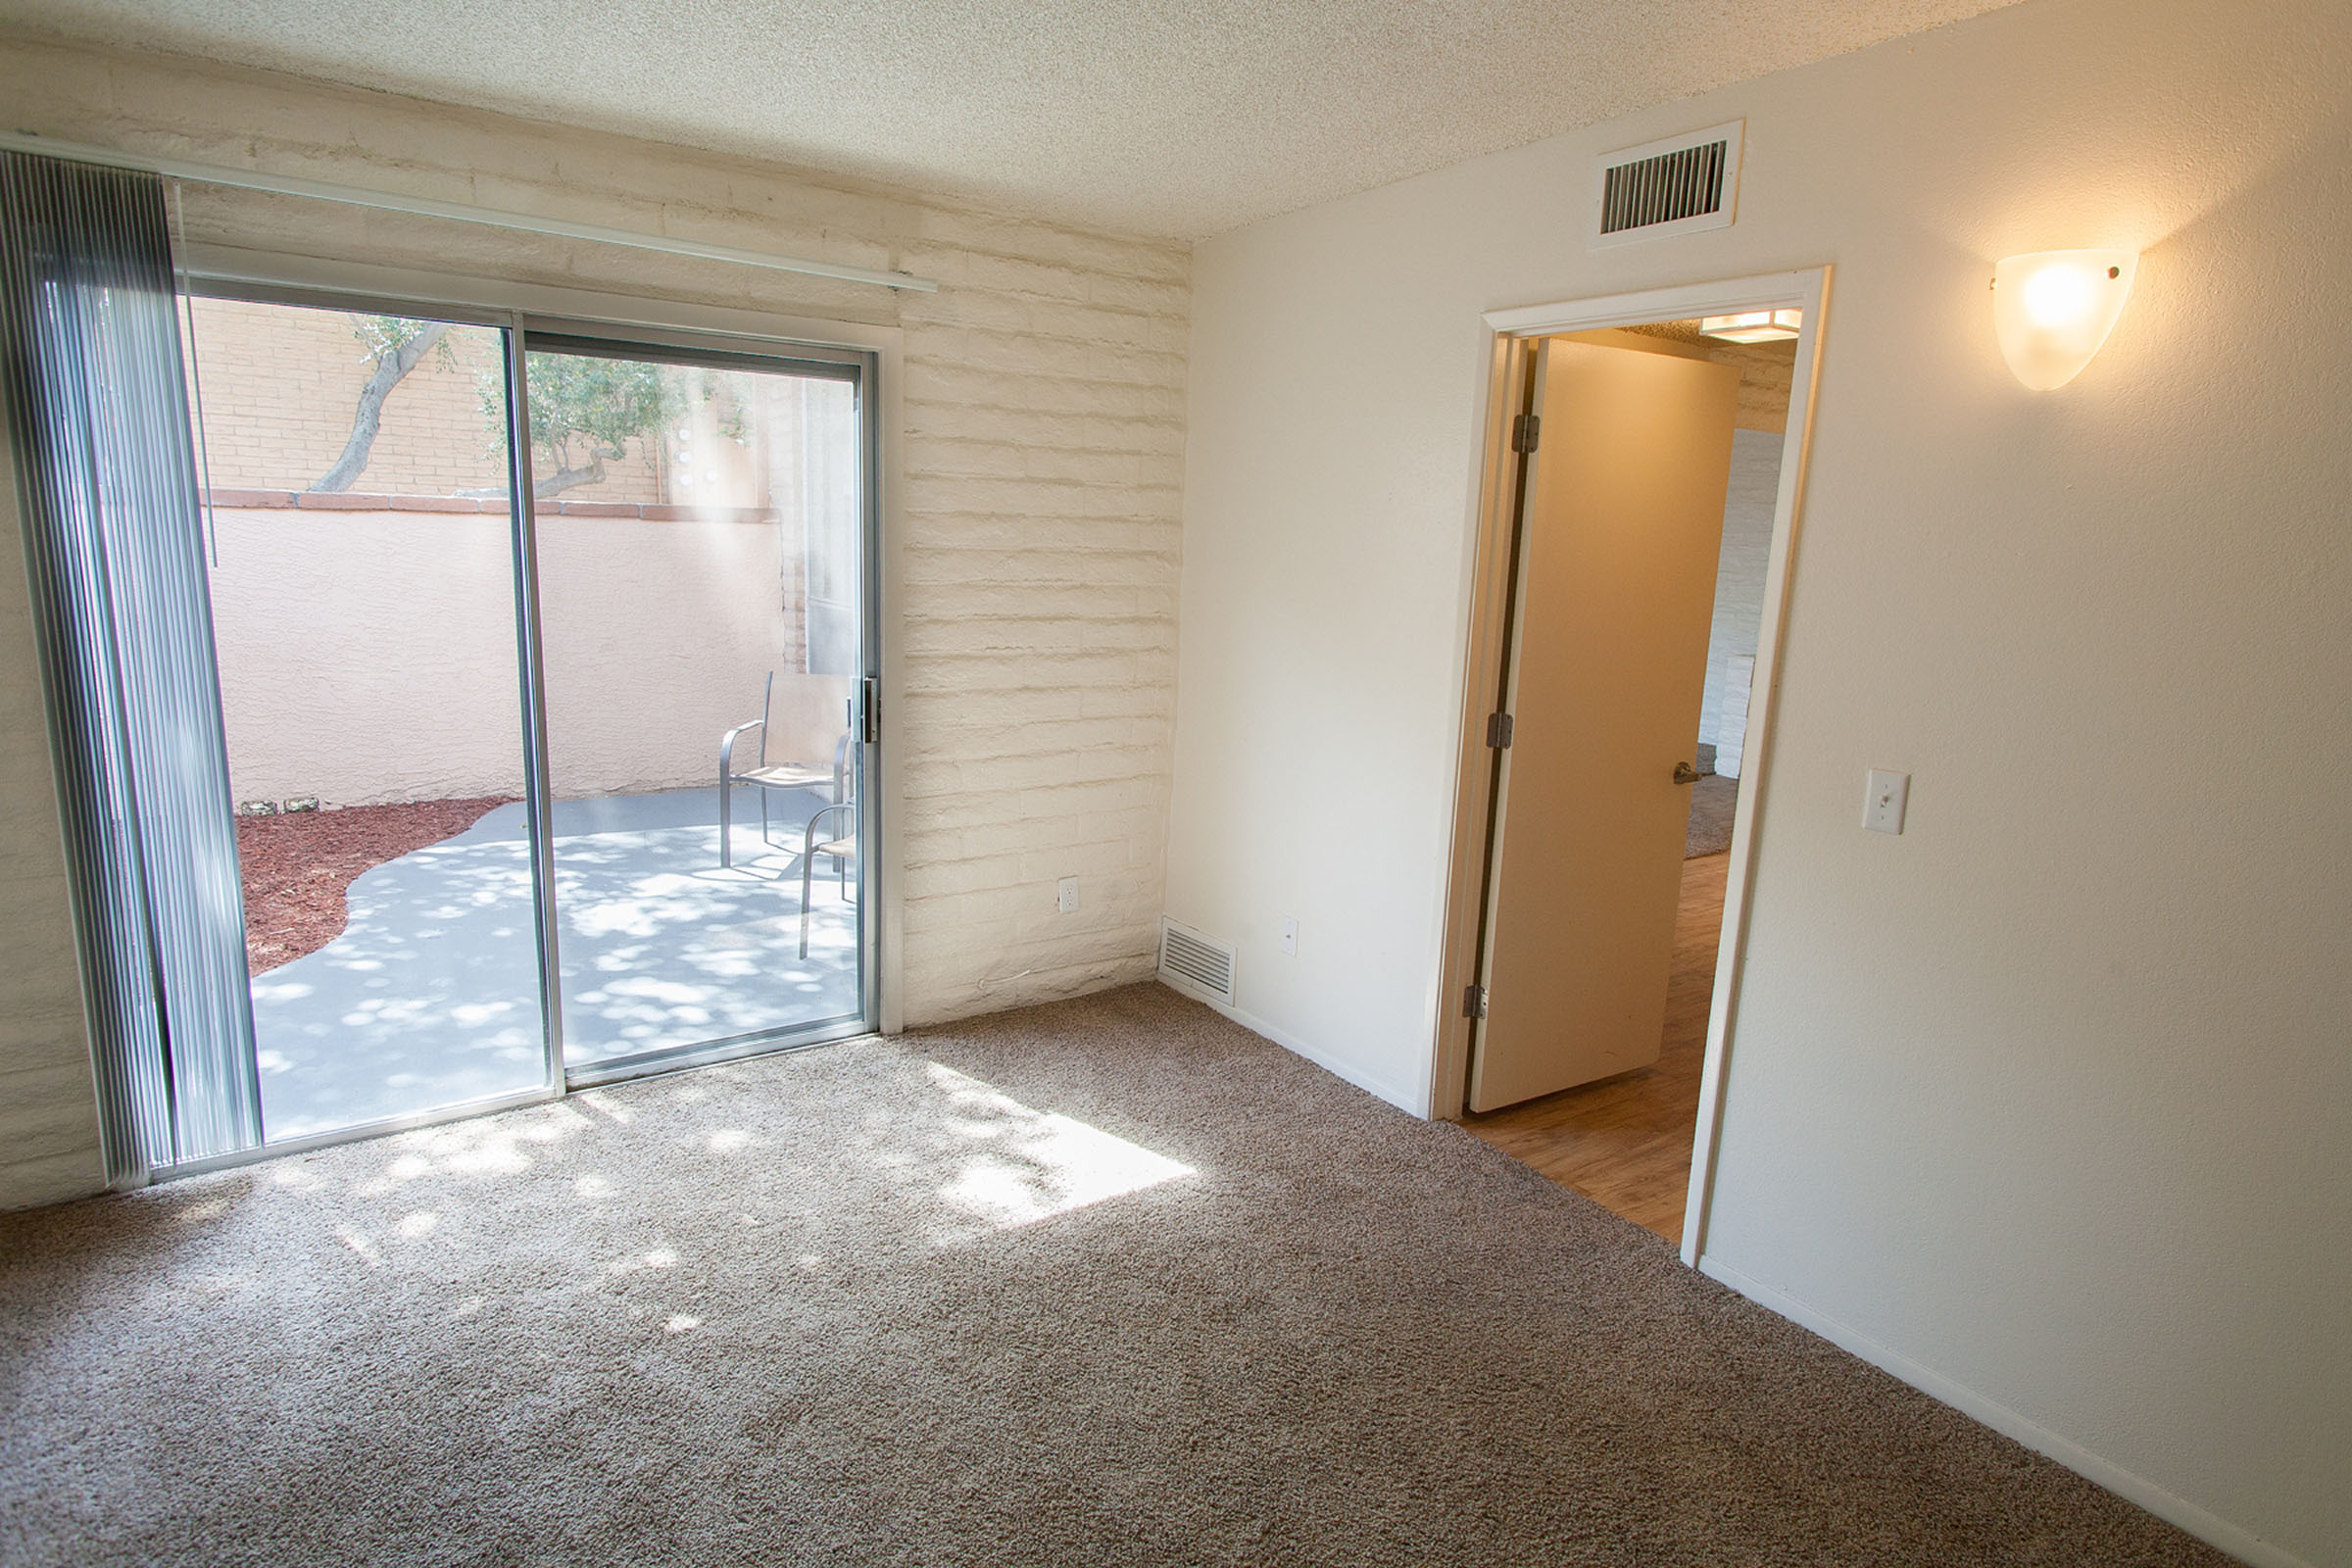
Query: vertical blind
90, 358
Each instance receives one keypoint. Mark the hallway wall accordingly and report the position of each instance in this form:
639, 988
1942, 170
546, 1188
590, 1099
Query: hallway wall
2043, 1104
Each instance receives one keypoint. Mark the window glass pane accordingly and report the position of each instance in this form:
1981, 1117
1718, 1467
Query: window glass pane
699, 568
363, 591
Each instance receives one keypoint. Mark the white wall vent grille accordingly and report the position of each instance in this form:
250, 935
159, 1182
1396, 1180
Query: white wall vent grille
1195, 962
1667, 187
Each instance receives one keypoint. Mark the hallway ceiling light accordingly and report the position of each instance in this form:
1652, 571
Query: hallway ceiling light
2052, 310
1754, 326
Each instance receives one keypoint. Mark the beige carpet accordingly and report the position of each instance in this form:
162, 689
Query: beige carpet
1110, 1281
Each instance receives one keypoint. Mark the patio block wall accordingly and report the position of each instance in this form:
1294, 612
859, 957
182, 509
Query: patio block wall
278, 386
1042, 457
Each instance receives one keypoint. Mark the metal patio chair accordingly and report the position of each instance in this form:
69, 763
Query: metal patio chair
766, 776
843, 849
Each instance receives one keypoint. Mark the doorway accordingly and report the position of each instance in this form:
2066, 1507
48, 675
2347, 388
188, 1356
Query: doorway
1632, 568
533, 794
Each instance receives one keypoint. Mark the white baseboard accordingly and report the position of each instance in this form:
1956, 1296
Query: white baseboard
1290, 1043
2240, 1544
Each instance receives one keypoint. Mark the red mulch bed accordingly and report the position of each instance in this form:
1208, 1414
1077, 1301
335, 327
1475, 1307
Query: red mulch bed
298, 867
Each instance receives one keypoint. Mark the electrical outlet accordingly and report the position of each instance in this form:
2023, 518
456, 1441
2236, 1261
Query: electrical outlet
1067, 899
1290, 936
1882, 808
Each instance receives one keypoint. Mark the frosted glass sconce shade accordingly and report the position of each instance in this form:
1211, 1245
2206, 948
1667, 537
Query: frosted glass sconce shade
2052, 310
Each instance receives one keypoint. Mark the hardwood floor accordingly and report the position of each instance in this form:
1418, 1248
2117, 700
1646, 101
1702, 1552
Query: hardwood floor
1624, 1142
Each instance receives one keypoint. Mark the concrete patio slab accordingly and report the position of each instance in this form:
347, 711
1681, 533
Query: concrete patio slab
430, 997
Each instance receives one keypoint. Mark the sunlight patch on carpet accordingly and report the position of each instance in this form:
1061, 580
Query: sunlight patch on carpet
1014, 1166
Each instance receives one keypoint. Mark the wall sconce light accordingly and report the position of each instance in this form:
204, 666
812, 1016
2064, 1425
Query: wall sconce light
1754, 326
2052, 310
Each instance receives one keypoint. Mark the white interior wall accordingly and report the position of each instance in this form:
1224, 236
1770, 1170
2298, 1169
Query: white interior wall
2046, 1101
1740, 567
1030, 668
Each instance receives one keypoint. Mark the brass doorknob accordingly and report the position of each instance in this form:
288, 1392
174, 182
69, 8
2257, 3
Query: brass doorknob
1684, 774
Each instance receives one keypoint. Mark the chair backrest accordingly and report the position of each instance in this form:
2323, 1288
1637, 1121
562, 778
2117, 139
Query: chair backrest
807, 715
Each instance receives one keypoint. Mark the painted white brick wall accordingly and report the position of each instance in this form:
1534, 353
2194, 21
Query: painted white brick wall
48, 1103
1740, 567
1042, 457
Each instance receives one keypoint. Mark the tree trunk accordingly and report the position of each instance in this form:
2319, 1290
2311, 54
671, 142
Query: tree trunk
563, 478
370, 416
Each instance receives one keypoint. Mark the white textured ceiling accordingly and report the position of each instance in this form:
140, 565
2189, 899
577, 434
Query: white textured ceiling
1176, 118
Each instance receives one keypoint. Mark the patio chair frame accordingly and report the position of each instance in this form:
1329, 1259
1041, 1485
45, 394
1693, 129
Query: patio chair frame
831, 847
786, 776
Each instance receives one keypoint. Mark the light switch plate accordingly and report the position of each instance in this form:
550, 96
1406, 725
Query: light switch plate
1290, 936
1882, 808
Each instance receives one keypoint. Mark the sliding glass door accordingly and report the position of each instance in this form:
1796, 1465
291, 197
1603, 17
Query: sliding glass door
526, 793
700, 527
360, 554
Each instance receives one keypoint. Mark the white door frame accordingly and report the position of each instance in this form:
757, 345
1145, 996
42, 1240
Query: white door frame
1511, 344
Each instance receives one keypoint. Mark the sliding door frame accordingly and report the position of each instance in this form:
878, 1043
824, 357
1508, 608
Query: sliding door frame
537, 791
760, 341
857, 366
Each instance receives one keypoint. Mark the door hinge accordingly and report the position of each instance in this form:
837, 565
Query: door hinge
872, 717
1524, 429
1474, 1002
1498, 731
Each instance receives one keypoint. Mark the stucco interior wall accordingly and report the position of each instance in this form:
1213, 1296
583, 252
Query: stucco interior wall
2048, 1097
1042, 400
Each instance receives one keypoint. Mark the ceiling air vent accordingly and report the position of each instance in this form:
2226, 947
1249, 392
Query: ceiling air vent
1194, 962
1667, 187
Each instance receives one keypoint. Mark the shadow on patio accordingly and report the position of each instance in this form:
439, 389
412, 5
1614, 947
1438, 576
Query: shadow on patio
430, 997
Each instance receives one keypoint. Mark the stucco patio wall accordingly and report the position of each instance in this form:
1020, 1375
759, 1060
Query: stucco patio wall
368, 655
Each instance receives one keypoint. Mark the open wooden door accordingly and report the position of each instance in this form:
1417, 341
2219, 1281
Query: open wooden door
1617, 554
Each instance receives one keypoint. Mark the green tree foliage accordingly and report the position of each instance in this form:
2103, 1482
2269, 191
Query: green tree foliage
586, 409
